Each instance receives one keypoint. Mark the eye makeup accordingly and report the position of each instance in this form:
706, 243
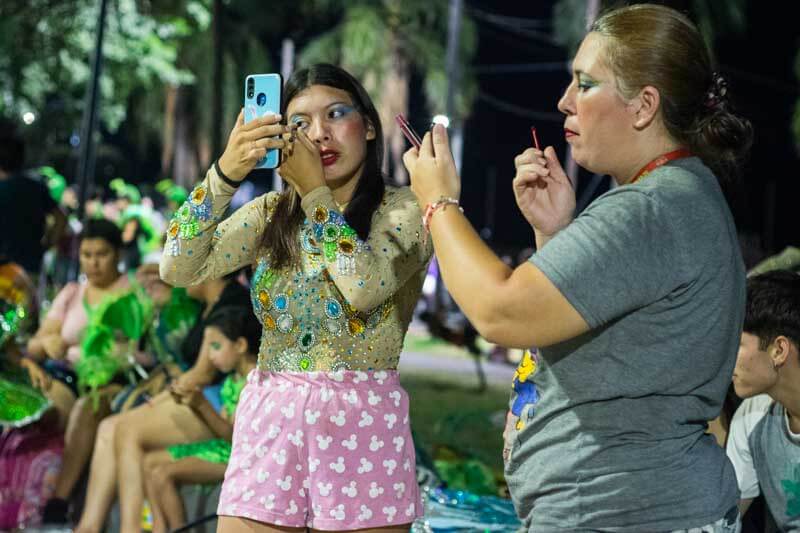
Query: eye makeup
340, 111
585, 82
334, 112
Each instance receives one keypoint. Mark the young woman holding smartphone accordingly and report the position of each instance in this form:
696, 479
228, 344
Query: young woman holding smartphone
322, 437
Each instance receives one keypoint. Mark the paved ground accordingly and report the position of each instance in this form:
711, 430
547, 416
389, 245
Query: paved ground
462, 367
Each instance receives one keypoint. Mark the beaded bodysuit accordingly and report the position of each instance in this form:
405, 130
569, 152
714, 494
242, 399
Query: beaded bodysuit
348, 305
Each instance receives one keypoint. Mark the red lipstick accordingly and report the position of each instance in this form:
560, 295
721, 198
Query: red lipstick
329, 157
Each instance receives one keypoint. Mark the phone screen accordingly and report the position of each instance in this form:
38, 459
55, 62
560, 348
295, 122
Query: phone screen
262, 95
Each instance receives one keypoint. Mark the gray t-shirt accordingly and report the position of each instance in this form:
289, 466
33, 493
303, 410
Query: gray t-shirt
766, 456
611, 433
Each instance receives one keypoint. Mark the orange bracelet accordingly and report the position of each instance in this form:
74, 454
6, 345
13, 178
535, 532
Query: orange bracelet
430, 209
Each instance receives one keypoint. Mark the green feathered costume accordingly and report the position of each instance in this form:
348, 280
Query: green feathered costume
20, 403
214, 450
171, 327
110, 339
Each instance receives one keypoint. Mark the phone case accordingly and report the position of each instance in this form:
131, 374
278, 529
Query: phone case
262, 95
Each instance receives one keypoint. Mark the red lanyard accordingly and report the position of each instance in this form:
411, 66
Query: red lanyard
660, 161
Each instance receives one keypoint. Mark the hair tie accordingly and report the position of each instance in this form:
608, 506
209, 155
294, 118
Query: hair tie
717, 93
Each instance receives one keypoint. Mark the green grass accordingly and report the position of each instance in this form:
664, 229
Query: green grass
421, 341
447, 413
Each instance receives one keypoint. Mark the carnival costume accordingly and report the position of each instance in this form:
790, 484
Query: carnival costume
20, 403
214, 450
322, 436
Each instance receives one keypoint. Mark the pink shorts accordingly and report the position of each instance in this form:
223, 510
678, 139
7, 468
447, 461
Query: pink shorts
327, 451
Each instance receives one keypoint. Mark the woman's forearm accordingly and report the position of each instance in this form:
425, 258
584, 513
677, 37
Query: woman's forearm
466, 263
35, 348
218, 425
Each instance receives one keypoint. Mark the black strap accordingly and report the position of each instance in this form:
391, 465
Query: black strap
226, 179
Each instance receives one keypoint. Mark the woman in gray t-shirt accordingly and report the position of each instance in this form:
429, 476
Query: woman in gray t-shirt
636, 304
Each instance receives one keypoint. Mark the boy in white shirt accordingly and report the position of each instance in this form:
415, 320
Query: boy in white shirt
764, 439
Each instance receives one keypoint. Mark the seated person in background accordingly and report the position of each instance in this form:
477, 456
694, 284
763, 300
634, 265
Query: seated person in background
151, 420
31, 408
231, 338
764, 439
56, 346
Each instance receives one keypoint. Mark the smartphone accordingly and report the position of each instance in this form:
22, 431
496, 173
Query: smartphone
408, 131
262, 95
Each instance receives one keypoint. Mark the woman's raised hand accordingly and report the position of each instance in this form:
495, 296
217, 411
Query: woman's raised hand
248, 143
432, 169
543, 191
302, 164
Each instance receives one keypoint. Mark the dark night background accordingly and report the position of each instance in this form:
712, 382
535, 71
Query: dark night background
758, 64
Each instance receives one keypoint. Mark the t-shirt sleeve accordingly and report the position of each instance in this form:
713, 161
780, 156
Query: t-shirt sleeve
738, 449
616, 257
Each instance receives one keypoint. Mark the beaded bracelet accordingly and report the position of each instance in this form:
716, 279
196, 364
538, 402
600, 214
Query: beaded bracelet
430, 209
226, 179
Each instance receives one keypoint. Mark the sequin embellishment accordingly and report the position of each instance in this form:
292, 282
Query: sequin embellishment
281, 302
186, 223
285, 323
306, 340
339, 241
333, 309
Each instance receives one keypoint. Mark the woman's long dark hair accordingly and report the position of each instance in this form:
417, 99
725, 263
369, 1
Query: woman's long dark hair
280, 236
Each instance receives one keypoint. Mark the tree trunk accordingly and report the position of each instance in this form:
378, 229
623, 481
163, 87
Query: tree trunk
168, 148
394, 101
185, 163
217, 78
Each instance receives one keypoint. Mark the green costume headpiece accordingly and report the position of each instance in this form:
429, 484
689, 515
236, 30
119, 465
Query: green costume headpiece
150, 238
13, 302
20, 404
125, 190
172, 192
56, 183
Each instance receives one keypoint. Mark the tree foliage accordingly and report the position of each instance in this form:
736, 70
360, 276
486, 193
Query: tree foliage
713, 18
52, 43
373, 35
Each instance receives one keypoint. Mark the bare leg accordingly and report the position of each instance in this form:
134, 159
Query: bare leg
79, 439
102, 487
63, 400
174, 424
165, 475
155, 489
